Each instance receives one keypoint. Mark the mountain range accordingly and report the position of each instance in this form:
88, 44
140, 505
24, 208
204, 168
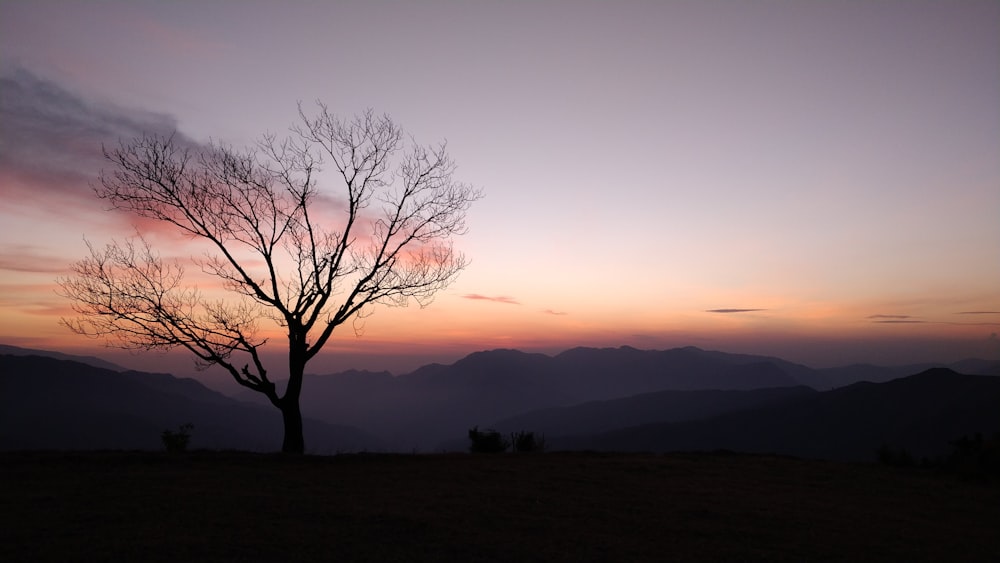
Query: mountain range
50, 403
921, 414
621, 399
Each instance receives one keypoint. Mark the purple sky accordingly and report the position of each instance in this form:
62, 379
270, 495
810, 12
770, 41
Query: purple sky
818, 180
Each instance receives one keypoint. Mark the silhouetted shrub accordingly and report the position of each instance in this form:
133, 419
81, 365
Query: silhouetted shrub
487, 441
177, 441
895, 457
975, 456
971, 457
526, 442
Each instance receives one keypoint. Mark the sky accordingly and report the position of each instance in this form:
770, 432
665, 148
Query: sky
814, 180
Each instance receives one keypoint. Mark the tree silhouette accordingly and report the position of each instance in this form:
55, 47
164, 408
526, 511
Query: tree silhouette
280, 252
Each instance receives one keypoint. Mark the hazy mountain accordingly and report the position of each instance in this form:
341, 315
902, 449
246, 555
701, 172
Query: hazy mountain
89, 360
609, 372
46, 403
647, 408
582, 391
439, 402
976, 366
920, 413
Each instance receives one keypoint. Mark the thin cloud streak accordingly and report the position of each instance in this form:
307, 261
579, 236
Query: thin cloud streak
497, 299
21, 258
978, 313
909, 319
733, 310
557, 313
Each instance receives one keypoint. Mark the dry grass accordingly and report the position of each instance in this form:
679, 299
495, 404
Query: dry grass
548, 507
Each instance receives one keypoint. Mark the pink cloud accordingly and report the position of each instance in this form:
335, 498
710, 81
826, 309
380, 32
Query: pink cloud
497, 299
26, 259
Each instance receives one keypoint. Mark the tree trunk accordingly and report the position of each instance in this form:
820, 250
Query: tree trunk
291, 414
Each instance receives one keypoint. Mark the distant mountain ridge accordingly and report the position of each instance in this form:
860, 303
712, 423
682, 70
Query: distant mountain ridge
89, 360
49, 403
574, 397
647, 408
436, 403
921, 413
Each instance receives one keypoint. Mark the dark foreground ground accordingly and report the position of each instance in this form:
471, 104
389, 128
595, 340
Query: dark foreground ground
525, 507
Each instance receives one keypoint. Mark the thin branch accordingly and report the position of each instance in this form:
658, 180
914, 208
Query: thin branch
281, 259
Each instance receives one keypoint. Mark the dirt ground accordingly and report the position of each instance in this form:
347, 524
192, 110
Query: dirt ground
211, 506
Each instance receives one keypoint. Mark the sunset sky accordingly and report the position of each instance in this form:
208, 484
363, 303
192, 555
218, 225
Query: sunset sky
814, 180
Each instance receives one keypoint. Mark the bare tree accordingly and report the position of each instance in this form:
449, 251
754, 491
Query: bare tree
280, 259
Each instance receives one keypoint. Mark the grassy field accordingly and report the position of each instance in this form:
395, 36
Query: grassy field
527, 507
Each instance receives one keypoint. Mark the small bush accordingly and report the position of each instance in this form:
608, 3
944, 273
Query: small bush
975, 457
487, 441
526, 442
176, 442
895, 457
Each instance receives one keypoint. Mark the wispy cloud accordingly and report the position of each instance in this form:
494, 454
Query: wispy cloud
552, 312
895, 319
909, 319
51, 139
978, 313
733, 310
496, 299
27, 259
